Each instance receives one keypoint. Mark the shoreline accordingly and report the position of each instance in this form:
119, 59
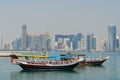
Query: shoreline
8, 53
5, 54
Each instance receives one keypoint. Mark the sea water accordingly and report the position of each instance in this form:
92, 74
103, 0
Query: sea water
109, 70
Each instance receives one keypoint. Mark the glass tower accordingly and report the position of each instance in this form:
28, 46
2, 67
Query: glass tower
112, 37
24, 37
88, 43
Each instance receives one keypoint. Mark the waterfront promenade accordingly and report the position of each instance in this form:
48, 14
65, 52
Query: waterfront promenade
7, 53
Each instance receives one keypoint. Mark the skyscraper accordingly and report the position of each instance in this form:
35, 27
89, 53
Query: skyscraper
48, 45
105, 45
117, 43
24, 37
1, 42
64, 41
83, 43
88, 43
16, 44
93, 43
112, 37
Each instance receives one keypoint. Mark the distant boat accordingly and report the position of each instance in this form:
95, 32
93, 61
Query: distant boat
91, 61
33, 62
94, 62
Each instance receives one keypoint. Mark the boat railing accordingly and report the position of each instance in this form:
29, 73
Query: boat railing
60, 62
45, 62
51, 62
95, 58
56, 62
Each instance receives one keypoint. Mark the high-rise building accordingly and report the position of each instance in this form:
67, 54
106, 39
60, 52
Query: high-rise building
32, 42
48, 45
112, 37
46, 41
16, 44
88, 45
117, 44
6, 46
83, 43
93, 43
64, 42
39, 42
1, 42
71, 42
24, 37
104, 45
77, 40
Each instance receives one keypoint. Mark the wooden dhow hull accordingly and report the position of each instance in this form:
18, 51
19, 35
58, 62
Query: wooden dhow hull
94, 62
43, 63
47, 67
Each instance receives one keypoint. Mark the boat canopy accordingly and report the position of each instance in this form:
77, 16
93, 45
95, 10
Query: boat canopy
59, 56
37, 56
31, 56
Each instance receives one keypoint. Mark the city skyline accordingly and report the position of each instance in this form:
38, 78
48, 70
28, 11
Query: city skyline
69, 42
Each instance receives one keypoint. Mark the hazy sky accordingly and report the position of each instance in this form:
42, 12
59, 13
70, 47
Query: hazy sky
58, 16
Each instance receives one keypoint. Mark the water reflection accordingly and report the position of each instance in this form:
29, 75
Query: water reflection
85, 68
40, 75
79, 72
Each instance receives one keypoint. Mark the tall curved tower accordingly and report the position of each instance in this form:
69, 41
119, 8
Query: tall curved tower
112, 37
